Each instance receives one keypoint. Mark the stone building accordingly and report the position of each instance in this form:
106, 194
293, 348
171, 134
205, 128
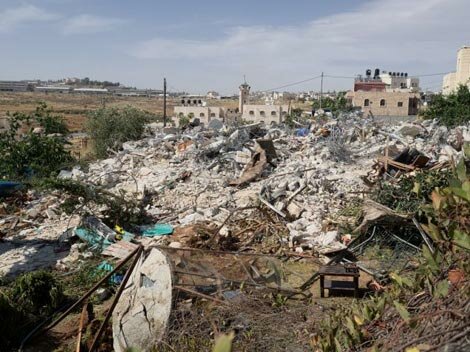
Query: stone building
195, 107
386, 81
269, 114
461, 76
386, 94
205, 114
383, 103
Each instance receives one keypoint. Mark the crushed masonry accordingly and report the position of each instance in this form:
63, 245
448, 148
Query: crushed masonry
213, 172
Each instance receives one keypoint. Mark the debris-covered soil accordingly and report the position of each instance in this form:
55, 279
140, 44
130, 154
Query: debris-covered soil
241, 217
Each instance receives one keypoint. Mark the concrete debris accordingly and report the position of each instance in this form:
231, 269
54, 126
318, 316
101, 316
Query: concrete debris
375, 213
202, 175
410, 130
141, 315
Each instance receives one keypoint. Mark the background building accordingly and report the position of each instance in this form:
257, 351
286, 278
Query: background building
194, 107
452, 80
386, 94
386, 103
267, 114
15, 86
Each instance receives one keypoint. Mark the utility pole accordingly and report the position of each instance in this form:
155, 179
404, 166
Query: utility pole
164, 102
321, 89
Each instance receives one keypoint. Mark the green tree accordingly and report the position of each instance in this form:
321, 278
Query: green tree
451, 110
109, 128
338, 104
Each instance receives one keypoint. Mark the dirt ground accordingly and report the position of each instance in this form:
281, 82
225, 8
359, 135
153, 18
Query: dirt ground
75, 107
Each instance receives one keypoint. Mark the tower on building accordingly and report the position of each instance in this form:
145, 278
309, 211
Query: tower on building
244, 94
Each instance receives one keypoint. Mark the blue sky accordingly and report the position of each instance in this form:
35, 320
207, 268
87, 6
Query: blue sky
211, 44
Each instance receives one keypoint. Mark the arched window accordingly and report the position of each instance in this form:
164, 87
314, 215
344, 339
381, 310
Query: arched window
262, 113
366, 102
183, 101
201, 114
273, 113
251, 112
382, 102
212, 114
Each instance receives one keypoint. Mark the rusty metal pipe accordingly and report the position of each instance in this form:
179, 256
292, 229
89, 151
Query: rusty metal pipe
116, 298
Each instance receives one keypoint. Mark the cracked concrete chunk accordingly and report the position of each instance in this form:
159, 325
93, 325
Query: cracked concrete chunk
141, 315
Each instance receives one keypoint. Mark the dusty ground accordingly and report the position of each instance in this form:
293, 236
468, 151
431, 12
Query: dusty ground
75, 107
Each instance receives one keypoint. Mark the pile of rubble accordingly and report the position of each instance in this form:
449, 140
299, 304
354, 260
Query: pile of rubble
205, 175
249, 189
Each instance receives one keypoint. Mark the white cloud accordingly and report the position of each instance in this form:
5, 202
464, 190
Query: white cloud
86, 23
417, 36
25, 14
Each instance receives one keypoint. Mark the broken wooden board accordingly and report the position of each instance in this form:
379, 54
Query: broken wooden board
120, 249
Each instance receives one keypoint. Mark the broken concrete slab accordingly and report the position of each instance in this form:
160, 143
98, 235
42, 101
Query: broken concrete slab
140, 318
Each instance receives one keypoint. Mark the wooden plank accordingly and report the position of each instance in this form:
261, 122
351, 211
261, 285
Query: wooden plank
120, 249
337, 270
395, 164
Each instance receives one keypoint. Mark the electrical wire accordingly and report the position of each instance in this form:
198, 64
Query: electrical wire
293, 84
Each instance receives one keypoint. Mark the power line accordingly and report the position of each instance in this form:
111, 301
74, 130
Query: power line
431, 74
345, 77
293, 84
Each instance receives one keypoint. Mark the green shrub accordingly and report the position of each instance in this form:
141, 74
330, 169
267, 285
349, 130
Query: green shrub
27, 154
11, 320
109, 128
37, 293
337, 104
29, 299
410, 193
451, 110
183, 121
401, 317
51, 123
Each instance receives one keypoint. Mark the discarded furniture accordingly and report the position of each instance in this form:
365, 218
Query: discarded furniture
338, 270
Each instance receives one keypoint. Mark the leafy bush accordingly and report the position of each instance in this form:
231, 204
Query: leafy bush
409, 193
116, 209
413, 310
51, 123
30, 298
26, 154
183, 121
449, 215
451, 110
37, 293
109, 128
